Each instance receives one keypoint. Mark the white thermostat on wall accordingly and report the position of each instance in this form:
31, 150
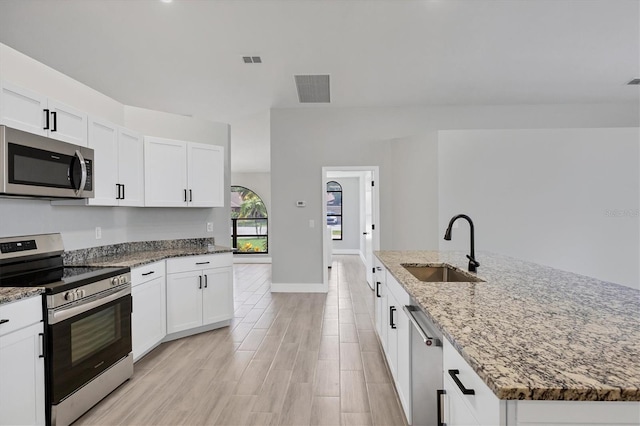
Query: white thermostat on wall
301, 204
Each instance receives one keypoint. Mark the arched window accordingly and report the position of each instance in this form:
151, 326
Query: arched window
334, 209
249, 228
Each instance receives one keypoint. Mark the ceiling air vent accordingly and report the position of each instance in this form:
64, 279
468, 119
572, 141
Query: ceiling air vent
633, 82
313, 88
252, 59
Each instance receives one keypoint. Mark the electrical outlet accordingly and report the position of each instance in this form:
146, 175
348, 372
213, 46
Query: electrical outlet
209, 226
98, 233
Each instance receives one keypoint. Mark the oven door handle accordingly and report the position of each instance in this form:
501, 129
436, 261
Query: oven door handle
66, 313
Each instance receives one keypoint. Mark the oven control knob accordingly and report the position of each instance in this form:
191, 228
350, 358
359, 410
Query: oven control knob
114, 281
70, 296
123, 279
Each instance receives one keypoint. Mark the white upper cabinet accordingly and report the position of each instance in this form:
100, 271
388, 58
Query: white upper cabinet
165, 172
118, 171
32, 112
183, 174
206, 175
130, 168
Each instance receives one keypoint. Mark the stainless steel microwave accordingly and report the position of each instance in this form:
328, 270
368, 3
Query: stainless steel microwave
33, 165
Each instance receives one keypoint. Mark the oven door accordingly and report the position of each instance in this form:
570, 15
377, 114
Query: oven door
86, 339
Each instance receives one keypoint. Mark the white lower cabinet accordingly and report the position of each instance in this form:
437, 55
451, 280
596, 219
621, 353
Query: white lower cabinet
149, 317
468, 400
21, 363
393, 328
199, 291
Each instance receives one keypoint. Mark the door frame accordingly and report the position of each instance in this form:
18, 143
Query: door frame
375, 173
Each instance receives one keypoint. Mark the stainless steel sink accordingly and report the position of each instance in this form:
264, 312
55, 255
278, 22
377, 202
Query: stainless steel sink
440, 274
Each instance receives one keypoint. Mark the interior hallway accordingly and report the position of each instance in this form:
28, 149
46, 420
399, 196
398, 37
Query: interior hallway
287, 358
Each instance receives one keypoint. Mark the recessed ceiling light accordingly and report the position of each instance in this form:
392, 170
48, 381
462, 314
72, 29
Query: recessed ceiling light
634, 82
166, 1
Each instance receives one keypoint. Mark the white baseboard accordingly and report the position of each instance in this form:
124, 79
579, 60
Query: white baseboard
346, 251
251, 259
298, 288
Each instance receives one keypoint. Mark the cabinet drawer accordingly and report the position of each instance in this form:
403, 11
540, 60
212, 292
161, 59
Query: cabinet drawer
193, 263
146, 273
402, 297
483, 405
21, 313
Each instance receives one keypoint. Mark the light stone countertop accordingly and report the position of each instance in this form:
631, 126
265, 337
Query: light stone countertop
140, 253
11, 294
131, 254
531, 331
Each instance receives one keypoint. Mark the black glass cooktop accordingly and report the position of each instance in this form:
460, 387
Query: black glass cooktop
60, 278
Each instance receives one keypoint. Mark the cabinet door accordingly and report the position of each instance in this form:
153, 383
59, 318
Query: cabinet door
394, 312
403, 383
22, 109
165, 172
184, 301
67, 124
103, 139
130, 167
149, 318
22, 377
217, 295
206, 175
456, 411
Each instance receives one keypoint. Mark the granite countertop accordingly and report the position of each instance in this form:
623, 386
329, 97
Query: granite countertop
141, 253
130, 254
531, 331
11, 294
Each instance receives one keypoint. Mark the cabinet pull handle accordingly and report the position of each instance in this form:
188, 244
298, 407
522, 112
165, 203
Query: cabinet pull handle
206, 281
148, 273
454, 376
46, 119
378, 288
440, 404
41, 335
190, 195
123, 191
55, 121
203, 263
118, 192
3, 321
185, 195
392, 323
200, 282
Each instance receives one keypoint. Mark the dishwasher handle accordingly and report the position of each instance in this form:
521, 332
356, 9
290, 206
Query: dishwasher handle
429, 341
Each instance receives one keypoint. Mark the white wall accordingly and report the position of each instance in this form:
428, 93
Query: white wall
33, 75
351, 227
304, 140
564, 198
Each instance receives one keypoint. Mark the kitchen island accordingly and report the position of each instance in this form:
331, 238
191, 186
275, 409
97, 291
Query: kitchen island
531, 332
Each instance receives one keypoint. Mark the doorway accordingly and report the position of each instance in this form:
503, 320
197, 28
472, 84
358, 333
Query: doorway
364, 223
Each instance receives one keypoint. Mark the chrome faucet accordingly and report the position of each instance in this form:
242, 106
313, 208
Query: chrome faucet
473, 263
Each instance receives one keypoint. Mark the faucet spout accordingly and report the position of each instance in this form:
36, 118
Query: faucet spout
473, 263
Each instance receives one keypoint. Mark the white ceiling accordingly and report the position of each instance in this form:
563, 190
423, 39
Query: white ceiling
185, 57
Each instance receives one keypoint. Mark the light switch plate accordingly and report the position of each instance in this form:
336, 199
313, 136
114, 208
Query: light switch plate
209, 226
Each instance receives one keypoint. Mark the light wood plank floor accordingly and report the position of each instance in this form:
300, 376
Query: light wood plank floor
286, 359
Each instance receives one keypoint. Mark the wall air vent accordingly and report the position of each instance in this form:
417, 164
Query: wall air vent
252, 59
313, 88
634, 82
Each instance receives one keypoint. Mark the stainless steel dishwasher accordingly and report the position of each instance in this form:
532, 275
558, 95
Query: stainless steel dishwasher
426, 369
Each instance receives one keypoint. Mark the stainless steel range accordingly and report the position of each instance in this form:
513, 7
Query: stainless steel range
87, 314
